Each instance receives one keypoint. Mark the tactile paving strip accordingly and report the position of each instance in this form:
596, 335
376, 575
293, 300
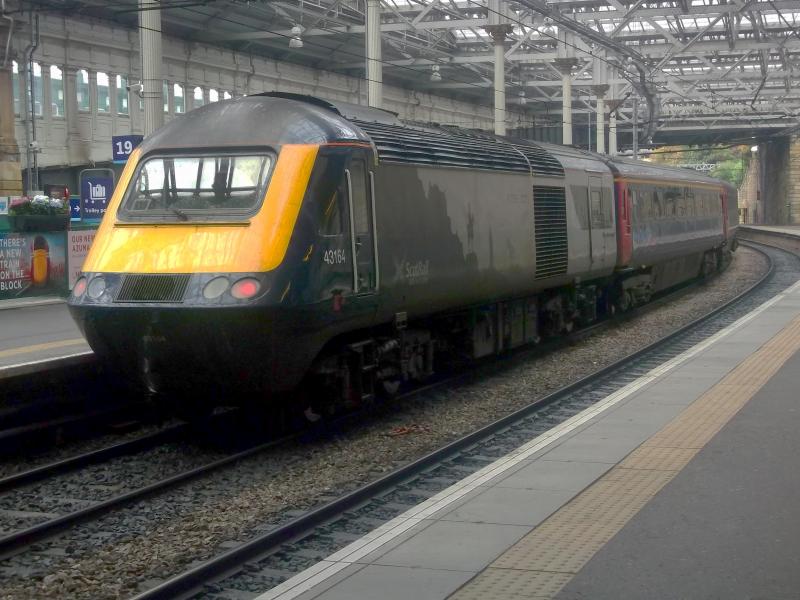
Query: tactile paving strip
542, 562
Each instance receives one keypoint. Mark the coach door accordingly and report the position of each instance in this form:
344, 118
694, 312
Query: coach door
596, 220
360, 183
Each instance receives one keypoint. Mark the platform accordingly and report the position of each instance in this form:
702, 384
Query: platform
36, 332
683, 484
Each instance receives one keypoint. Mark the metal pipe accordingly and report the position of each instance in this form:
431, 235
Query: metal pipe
28, 106
601, 125
499, 86
566, 108
612, 133
374, 64
34, 149
589, 131
635, 128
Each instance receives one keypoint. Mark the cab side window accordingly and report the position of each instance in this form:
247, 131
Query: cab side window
331, 207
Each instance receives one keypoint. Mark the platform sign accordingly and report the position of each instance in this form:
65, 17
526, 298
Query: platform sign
123, 145
4, 200
97, 186
74, 208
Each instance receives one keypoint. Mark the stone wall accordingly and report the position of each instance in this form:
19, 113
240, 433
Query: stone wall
775, 175
750, 192
793, 183
10, 174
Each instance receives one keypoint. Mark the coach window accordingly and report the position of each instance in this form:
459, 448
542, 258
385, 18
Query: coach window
331, 217
56, 91
658, 210
362, 224
177, 92
122, 94
103, 96
596, 197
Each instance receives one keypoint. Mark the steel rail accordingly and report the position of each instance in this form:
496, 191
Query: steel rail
18, 540
189, 582
31, 433
143, 442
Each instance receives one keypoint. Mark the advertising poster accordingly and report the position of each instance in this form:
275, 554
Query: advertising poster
78, 243
32, 264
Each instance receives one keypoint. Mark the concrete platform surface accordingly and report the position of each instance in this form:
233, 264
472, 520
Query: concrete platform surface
36, 333
639, 496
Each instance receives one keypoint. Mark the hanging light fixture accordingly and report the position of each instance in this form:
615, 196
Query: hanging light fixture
548, 30
521, 97
435, 75
296, 41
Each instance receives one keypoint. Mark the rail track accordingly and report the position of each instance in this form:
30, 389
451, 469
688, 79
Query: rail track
269, 559
302, 527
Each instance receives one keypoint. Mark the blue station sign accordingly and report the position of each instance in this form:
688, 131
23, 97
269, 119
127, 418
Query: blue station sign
75, 208
123, 145
95, 195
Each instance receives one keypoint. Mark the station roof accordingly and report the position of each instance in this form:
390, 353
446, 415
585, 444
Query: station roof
712, 68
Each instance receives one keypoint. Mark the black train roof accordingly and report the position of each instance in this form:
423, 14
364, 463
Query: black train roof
418, 143
282, 118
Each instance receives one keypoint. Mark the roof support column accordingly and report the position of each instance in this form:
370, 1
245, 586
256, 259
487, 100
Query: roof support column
150, 50
498, 33
600, 88
565, 66
600, 91
10, 171
499, 28
613, 106
374, 64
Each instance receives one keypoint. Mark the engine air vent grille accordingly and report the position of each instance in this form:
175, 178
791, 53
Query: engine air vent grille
152, 288
550, 219
453, 147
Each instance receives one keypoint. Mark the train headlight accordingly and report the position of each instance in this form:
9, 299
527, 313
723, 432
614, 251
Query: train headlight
96, 288
245, 288
215, 288
79, 288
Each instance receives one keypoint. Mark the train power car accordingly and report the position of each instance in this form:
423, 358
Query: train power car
258, 243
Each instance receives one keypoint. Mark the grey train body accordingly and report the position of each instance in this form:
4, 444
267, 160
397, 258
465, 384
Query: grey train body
416, 239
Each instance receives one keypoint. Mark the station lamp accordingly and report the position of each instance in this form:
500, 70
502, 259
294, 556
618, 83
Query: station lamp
296, 41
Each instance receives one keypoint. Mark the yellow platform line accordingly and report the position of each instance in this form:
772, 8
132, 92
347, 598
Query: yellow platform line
543, 562
41, 347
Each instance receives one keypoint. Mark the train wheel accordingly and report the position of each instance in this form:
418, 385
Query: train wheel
390, 388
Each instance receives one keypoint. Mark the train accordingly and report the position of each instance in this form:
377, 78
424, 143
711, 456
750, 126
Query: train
272, 243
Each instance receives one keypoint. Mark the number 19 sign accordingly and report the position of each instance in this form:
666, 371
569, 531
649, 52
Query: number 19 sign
123, 145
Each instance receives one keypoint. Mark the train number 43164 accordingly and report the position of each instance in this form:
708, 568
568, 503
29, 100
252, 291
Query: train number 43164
335, 257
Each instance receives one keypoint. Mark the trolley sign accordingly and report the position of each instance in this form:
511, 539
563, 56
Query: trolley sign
97, 185
122, 146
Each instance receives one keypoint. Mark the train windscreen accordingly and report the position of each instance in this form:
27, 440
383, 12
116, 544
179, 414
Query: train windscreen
183, 188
